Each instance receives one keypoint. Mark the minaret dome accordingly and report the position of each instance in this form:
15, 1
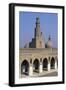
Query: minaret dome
49, 43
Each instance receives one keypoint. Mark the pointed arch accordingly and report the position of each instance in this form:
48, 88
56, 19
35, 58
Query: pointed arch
52, 64
45, 64
25, 67
36, 65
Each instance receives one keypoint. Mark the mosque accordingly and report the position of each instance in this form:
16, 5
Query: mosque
38, 57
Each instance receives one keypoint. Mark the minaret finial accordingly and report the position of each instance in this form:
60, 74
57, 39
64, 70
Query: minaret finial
37, 20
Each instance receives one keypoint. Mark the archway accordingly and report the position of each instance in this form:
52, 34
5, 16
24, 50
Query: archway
52, 64
25, 67
45, 64
36, 65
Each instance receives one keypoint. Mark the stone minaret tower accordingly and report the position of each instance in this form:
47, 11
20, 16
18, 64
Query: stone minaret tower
39, 41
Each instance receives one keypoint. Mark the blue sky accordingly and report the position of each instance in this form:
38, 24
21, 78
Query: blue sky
48, 25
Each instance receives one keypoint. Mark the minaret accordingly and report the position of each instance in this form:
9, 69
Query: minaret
39, 42
37, 29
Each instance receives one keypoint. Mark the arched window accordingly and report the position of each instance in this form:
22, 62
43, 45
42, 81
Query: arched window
25, 67
45, 64
36, 65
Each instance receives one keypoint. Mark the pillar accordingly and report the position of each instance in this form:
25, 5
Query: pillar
55, 64
30, 68
40, 67
49, 64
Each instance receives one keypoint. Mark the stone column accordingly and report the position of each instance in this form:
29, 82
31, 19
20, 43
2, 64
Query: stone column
55, 65
40, 67
49, 64
30, 68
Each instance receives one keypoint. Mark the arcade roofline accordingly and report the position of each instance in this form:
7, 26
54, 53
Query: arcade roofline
38, 48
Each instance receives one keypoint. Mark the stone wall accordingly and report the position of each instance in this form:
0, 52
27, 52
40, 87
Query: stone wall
30, 54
